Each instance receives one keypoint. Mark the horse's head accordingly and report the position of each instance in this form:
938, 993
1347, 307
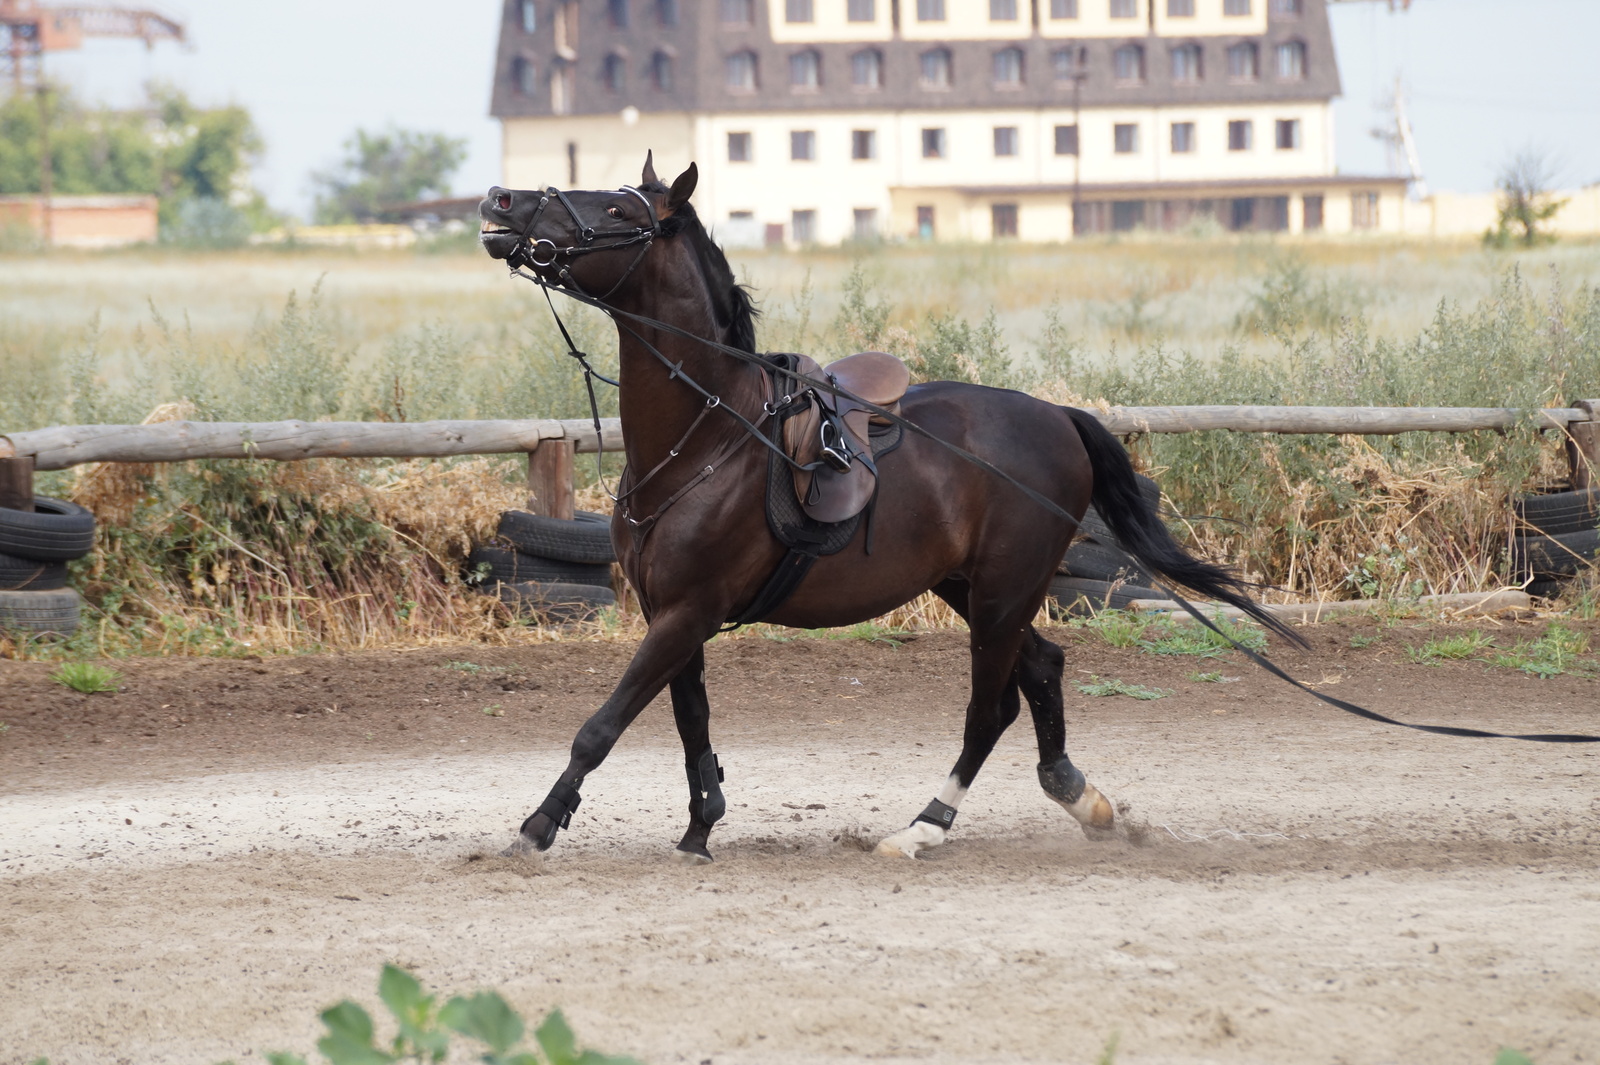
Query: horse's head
594, 238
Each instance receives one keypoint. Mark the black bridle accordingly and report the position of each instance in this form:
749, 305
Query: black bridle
569, 286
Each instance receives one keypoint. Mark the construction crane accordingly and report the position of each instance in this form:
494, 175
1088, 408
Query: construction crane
29, 29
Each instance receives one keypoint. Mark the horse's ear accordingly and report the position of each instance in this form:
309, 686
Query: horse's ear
649, 177
683, 188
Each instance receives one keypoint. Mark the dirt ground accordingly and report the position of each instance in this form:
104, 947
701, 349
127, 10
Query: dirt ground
191, 868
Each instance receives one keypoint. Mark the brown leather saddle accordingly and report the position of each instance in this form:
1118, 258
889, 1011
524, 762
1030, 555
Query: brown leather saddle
833, 430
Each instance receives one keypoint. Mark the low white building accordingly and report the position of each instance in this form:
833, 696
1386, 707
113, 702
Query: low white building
827, 120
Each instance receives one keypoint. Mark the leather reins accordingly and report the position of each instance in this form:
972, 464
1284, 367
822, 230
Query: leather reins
570, 288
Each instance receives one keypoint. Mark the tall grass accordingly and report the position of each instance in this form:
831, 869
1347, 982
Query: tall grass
214, 556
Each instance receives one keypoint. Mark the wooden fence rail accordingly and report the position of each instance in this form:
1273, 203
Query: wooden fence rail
551, 443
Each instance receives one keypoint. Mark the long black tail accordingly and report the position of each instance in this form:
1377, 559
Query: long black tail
1141, 533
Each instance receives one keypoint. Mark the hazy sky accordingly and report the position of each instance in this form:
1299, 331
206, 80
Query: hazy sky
311, 71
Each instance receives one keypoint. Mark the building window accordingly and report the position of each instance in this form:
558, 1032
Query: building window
805, 71
1182, 137
530, 16
1069, 64
1008, 68
1244, 61
1236, 7
935, 66
930, 10
1063, 8
1180, 8
1364, 210
1311, 213
618, 10
863, 144
1242, 214
1124, 8
1241, 135
1186, 64
614, 73
933, 144
803, 227
738, 12
661, 71
1125, 138
1066, 140
924, 222
1004, 219
739, 148
866, 69
866, 223
1126, 215
1005, 140
524, 77
1288, 138
1002, 10
667, 12
1288, 8
1291, 60
1127, 64
862, 11
802, 144
798, 11
741, 71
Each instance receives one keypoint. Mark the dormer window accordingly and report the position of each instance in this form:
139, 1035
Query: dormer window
1008, 68
1127, 65
805, 71
530, 16
1186, 64
524, 77
866, 69
1290, 59
618, 10
661, 71
1069, 64
740, 69
614, 73
935, 68
1244, 61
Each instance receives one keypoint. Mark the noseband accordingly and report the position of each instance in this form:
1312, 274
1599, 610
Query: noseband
590, 240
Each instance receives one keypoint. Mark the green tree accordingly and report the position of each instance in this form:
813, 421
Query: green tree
384, 169
1526, 201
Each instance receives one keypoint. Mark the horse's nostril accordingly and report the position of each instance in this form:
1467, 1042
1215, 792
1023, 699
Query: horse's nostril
503, 201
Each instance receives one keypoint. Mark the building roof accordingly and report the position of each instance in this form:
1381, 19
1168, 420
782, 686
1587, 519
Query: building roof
699, 44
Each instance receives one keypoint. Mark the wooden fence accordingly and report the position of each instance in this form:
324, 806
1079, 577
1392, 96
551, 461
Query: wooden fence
550, 444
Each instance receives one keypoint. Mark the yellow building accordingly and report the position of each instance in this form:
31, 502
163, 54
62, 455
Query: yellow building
826, 120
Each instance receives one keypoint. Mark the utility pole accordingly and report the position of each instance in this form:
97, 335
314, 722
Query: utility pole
46, 171
1078, 74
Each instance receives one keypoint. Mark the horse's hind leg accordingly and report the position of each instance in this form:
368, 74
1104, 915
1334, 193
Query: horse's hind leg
692, 712
994, 705
1039, 669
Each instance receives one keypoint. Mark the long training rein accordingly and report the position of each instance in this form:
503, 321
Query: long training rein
645, 237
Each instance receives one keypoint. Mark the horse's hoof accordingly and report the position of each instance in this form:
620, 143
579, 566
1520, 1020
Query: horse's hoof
683, 857
538, 831
1093, 811
521, 847
889, 849
907, 842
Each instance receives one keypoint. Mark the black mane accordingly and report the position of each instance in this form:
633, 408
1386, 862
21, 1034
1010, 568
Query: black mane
730, 301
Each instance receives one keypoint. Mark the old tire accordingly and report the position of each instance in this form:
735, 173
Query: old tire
489, 565
1093, 561
40, 613
25, 574
54, 531
1547, 589
554, 600
1555, 556
1078, 597
1560, 512
1094, 526
580, 540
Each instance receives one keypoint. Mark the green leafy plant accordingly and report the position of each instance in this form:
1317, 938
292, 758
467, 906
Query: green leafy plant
1451, 648
1205, 678
1118, 628
423, 1032
1508, 1056
1359, 641
1101, 688
86, 677
1550, 655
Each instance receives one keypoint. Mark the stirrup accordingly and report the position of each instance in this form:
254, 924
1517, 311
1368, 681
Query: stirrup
836, 449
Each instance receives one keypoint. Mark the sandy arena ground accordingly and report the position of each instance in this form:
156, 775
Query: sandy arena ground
192, 868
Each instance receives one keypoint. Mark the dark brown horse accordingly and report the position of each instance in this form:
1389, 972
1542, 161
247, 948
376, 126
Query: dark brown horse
693, 536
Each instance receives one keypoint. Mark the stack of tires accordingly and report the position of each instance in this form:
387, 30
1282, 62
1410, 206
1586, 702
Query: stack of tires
35, 547
554, 570
1096, 574
1557, 538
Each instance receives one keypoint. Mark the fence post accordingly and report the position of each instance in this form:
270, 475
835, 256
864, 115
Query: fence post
1583, 447
16, 483
550, 479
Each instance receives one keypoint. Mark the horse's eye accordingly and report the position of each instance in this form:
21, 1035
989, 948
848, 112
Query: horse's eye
614, 212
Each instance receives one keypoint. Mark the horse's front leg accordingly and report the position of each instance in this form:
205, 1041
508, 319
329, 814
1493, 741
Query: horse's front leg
673, 639
692, 712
